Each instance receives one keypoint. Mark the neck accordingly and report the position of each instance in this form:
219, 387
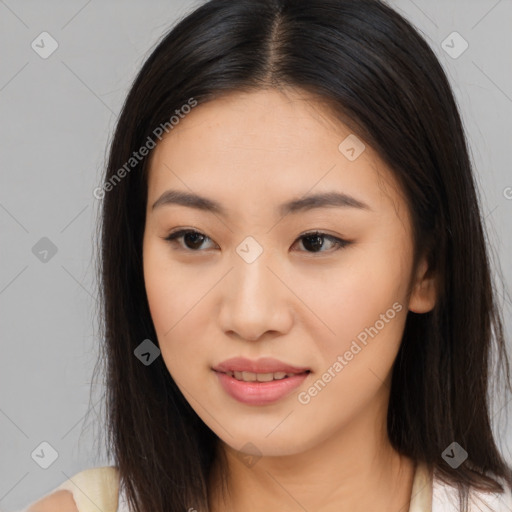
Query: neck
353, 470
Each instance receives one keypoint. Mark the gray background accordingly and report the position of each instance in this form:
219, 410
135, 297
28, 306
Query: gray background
57, 115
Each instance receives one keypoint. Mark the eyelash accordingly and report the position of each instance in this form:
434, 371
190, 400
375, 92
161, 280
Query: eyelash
172, 238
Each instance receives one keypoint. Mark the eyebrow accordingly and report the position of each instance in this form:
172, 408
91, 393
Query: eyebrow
310, 202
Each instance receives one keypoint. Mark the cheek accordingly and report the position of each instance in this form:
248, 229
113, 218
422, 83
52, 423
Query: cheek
160, 289
363, 306
358, 292
163, 290
169, 288
177, 306
365, 309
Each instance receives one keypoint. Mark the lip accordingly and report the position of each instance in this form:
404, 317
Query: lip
259, 393
262, 365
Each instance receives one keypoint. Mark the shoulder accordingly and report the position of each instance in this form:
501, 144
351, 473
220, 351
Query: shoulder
99, 485
445, 498
60, 501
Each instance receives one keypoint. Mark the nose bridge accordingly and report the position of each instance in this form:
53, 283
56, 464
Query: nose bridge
253, 284
253, 301
252, 280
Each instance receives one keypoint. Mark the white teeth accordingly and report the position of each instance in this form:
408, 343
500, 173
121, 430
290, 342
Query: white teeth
264, 377
259, 377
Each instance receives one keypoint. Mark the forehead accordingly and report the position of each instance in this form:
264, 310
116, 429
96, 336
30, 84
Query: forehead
264, 122
265, 145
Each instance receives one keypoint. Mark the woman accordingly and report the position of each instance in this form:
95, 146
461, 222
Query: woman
298, 309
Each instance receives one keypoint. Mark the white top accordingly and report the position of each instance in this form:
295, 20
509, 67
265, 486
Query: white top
99, 488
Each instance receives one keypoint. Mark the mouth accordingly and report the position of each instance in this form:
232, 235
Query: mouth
259, 388
262, 370
262, 377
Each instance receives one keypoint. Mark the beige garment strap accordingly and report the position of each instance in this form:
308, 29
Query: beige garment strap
422, 487
94, 489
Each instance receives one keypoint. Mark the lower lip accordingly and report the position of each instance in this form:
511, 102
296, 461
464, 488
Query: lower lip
259, 393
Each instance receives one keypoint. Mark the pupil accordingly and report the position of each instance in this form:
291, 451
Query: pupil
195, 237
317, 241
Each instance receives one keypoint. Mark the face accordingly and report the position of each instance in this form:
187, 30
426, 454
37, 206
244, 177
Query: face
322, 286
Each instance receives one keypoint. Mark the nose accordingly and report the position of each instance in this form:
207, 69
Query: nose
255, 301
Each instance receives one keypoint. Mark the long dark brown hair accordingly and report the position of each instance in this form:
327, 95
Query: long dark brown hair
379, 77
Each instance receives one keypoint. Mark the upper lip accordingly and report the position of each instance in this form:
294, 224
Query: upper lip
262, 365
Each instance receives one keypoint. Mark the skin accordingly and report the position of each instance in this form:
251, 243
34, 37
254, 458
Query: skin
304, 306
56, 502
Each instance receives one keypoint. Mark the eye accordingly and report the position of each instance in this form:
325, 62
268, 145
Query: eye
313, 241
192, 238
